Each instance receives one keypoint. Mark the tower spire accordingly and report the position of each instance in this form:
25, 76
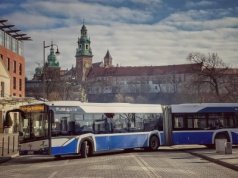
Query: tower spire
108, 59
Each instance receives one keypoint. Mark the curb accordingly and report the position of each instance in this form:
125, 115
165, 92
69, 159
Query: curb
7, 158
222, 163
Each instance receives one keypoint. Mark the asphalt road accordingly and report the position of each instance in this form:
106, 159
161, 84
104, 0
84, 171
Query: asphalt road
138, 164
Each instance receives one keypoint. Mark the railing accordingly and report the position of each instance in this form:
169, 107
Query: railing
8, 144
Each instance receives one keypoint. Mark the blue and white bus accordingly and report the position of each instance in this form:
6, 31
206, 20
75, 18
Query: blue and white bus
71, 127
200, 123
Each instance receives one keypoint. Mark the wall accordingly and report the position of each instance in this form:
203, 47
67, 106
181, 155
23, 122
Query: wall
5, 79
6, 53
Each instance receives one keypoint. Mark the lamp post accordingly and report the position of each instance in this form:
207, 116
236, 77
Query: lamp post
57, 52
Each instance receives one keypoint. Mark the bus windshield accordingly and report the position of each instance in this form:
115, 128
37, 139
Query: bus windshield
34, 126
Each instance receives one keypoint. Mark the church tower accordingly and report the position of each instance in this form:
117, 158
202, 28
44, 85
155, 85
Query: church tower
83, 55
108, 59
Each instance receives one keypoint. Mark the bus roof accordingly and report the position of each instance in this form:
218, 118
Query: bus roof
204, 107
107, 107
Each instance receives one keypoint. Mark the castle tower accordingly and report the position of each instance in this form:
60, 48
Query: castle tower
83, 55
108, 59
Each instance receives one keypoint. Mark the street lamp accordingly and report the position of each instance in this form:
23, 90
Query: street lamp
57, 53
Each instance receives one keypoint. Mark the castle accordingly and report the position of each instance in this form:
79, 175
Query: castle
104, 80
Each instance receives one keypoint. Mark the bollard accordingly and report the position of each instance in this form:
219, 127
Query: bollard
228, 148
13, 144
220, 145
8, 144
2, 146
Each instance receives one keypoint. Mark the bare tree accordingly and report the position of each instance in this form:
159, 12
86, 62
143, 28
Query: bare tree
211, 78
141, 99
129, 99
119, 98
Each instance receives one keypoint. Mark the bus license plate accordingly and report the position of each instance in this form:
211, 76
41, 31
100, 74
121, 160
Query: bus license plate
30, 152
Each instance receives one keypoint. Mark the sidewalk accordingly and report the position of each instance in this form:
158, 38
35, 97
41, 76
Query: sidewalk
8, 150
210, 154
226, 160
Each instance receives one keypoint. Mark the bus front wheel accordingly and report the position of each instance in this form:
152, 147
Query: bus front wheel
84, 150
154, 143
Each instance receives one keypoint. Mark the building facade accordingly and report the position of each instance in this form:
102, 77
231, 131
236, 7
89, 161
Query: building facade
104, 78
12, 72
5, 80
12, 56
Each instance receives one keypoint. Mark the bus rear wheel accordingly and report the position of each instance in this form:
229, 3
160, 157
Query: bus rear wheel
57, 156
154, 143
84, 150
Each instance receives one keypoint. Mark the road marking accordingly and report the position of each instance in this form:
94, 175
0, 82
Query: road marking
146, 167
66, 162
53, 174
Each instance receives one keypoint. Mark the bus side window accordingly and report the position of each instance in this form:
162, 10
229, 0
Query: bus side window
236, 120
178, 122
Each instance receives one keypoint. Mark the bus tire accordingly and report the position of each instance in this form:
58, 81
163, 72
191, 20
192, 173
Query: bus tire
57, 156
128, 150
84, 150
90, 149
154, 143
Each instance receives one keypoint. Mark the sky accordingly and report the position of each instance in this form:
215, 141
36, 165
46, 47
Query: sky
136, 32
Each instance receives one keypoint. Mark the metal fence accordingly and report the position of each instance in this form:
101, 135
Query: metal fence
8, 144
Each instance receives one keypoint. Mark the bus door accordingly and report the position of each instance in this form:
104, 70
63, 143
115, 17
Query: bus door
191, 129
101, 128
180, 134
64, 125
236, 119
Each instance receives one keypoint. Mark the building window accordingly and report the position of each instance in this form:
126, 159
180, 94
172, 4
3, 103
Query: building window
20, 69
14, 45
8, 64
2, 89
20, 48
1, 38
20, 84
8, 42
86, 46
1, 56
14, 66
14, 83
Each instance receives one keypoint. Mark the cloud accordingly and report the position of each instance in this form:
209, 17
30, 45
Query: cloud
134, 45
146, 2
200, 20
200, 3
132, 31
78, 11
33, 21
5, 6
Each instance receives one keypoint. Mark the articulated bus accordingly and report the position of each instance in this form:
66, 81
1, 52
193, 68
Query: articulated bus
200, 123
72, 127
